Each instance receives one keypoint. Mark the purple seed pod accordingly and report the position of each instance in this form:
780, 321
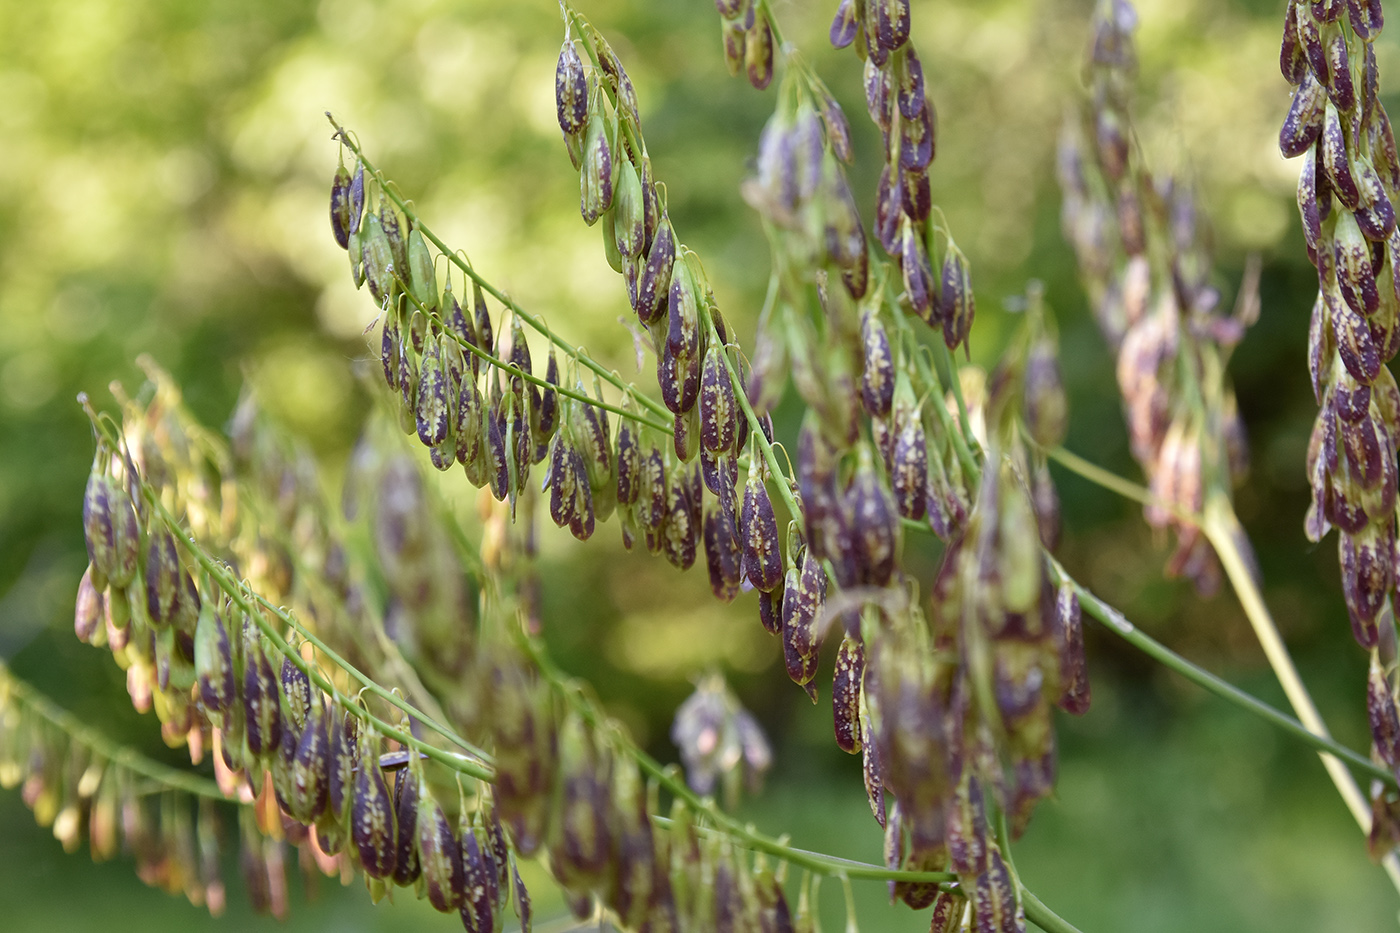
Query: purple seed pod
163, 578
1340, 88
994, 898
311, 770
342, 731
496, 454
654, 285
1309, 202
1111, 143
408, 388
570, 91
439, 854
909, 76
875, 522
845, 695
957, 303
1381, 711
722, 556
262, 714
629, 463
916, 197
1366, 18
683, 330
879, 97
213, 660
838, 129
1354, 344
919, 285
372, 814
718, 408
680, 529
770, 610
803, 597
407, 867
1367, 563
561, 480
545, 420
296, 694
948, 910
967, 827
1363, 450
891, 22
1336, 160
470, 428
89, 608
111, 531
875, 53
433, 415
844, 25
758, 52
877, 375
389, 351
762, 559
1293, 64
582, 522
654, 494
340, 205
909, 469
1376, 217
1068, 627
889, 212
685, 434
1303, 124
919, 142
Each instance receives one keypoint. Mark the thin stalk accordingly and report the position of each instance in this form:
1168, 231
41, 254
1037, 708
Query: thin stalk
950, 425
1115, 622
1115, 483
253, 608
41, 705
583, 359
1223, 530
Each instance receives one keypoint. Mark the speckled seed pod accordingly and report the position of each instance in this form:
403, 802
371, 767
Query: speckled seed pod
372, 814
874, 523
918, 272
311, 770
1383, 716
948, 910
1303, 125
994, 898
406, 865
909, 468
213, 662
844, 25
262, 713
758, 52
163, 573
440, 854
340, 206
722, 556
496, 455
478, 905
679, 530
958, 305
343, 733
803, 596
762, 557
654, 283
877, 376
598, 171
397, 238
718, 409
296, 694
1069, 639
845, 695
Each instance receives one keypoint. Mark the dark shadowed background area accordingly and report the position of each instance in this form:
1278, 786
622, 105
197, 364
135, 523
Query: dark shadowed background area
164, 169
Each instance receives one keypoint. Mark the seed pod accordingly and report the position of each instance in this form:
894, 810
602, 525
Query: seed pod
592, 437
919, 139
1355, 275
1340, 88
718, 409
629, 222
654, 284
562, 481
440, 854
433, 415
758, 52
803, 596
1367, 564
875, 523
845, 695
88, 609
909, 469
111, 531
1046, 407
1376, 217
918, 273
1303, 124
570, 90
340, 206
213, 662
957, 302
877, 375
311, 770
598, 170
679, 529
163, 578
421, 276
378, 258
406, 864
844, 25
685, 433
395, 235
1383, 716
1354, 343
262, 714
497, 458
342, 732
722, 556
629, 462
1069, 637
762, 559
296, 694
478, 906
1336, 160
372, 814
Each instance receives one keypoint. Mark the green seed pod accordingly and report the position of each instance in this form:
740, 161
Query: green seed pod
758, 52
398, 241
597, 174
379, 259
262, 711
111, 531
629, 209
422, 279
433, 414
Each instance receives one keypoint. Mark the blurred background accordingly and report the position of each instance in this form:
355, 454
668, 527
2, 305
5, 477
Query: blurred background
164, 170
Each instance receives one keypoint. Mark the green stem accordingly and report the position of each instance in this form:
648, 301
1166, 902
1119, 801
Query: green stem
583, 359
225, 581
129, 758
1116, 623
1115, 483
1223, 530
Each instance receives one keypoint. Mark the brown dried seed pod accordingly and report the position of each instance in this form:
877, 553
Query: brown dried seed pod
372, 814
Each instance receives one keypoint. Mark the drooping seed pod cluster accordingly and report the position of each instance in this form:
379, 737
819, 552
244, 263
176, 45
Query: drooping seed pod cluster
1346, 192
720, 741
897, 100
85, 794
748, 40
1142, 257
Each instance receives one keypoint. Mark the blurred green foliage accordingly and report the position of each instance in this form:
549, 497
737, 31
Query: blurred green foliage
163, 174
